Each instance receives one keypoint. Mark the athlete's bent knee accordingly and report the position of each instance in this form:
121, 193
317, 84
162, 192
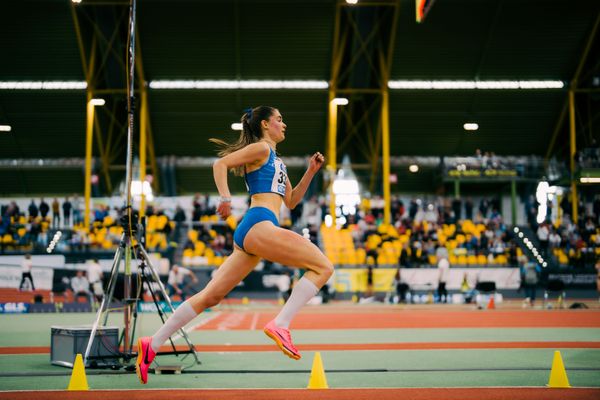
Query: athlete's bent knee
326, 269
212, 300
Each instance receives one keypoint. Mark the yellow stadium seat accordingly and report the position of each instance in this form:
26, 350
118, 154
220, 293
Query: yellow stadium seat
361, 256
472, 259
481, 260
192, 235
462, 260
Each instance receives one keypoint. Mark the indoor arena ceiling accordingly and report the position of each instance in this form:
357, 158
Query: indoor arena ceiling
293, 40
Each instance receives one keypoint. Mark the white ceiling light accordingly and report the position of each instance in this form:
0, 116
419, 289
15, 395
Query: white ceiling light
413, 168
5, 128
471, 85
42, 85
471, 126
76, 1
340, 101
588, 179
238, 84
237, 126
97, 102
351, 1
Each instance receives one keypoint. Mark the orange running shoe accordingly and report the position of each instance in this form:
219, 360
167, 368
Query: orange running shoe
282, 337
144, 359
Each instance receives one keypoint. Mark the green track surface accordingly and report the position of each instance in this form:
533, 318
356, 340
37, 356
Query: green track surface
344, 369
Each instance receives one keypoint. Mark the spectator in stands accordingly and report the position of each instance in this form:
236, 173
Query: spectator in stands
543, 234
554, 240
96, 276
413, 208
77, 217
66, 206
180, 216
176, 283
26, 265
33, 210
44, 208
469, 208
484, 206
80, 285
456, 209
55, 213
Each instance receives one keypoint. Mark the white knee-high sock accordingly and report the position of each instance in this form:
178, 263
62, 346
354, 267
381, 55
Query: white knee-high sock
301, 294
184, 314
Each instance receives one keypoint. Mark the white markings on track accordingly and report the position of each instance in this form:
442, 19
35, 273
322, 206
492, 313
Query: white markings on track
231, 320
198, 325
254, 321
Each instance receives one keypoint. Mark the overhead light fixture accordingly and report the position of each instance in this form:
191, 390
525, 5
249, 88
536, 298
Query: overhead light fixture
238, 84
472, 85
5, 128
237, 126
471, 126
76, 1
97, 102
589, 179
42, 85
351, 1
413, 168
340, 101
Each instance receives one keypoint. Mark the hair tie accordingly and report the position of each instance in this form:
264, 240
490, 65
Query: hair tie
248, 112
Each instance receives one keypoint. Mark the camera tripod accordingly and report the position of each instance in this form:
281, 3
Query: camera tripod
148, 275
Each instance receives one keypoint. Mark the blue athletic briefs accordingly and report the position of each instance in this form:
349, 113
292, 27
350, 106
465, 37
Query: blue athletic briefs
253, 216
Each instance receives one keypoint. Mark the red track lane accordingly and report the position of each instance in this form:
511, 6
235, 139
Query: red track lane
352, 346
305, 394
415, 319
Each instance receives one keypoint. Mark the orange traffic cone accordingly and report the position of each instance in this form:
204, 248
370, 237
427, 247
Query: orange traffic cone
492, 304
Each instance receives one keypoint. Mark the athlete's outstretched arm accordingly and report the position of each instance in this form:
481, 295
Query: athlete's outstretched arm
293, 197
249, 154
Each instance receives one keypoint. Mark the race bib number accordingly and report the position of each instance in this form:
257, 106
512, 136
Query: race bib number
279, 178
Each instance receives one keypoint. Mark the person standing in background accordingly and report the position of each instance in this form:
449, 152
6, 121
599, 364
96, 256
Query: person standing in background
66, 206
26, 265
55, 214
33, 210
95, 275
44, 208
444, 270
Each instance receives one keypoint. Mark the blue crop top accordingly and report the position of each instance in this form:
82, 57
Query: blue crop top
271, 177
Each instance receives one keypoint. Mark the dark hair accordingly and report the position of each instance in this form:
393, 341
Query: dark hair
251, 132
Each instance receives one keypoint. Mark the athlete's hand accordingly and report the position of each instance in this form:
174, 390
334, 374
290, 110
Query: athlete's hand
316, 162
224, 209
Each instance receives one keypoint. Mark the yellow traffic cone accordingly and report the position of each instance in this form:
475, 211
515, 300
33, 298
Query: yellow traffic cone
558, 375
78, 380
317, 374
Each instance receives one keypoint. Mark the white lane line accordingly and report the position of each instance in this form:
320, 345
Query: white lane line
198, 325
254, 321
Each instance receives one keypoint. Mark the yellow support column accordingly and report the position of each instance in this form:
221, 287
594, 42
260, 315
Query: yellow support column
332, 152
385, 133
573, 150
89, 133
